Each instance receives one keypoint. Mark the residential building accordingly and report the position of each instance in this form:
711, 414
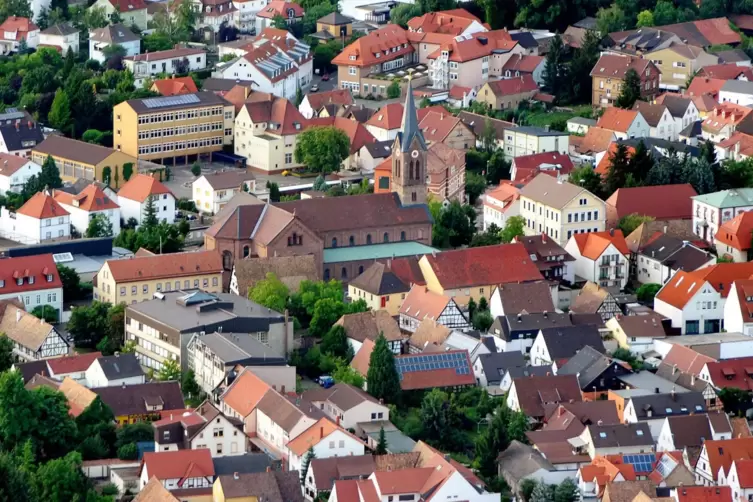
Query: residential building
450, 273
726, 71
664, 202
453, 22
507, 94
33, 339
141, 191
728, 374
211, 192
637, 333
144, 402
560, 209
702, 33
516, 333
214, 356
594, 299
358, 137
326, 439
531, 394
115, 371
422, 304
163, 327
180, 469
653, 408
200, 124
62, 35
524, 140
712, 210
478, 124
611, 439
678, 63
682, 108
555, 346
40, 219
78, 160
625, 123
451, 369
312, 104
32, 279
608, 76
266, 132
739, 92
15, 29
685, 431
709, 286
381, 287
718, 455
440, 126
174, 86
737, 147
204, 428
72, 366
601, 257
114, 34
664, 256
738, 309
520, 462
386, 123
179, 60
15, 172
525, 298
592, 147
89, 203
284, 487
363, 326
215, 15
500, 203
20, 138
738, 479
347, 405
580, 125
734, 238
139, 278
131, 13
597, 373
292, 12
519, 65
659, 119
554, 263
525, 168
333, 26
722, 122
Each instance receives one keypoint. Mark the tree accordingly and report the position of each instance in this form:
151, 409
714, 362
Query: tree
335, 342
526, 489
404, 12
542, 493
327, 311
554, 67
393, 90
482, 320
734, 173
150, 214
46, 312
610, 19
513, 228
310, 455
434, 407
475, 185
735, 401
647, 292
50, 175
471, 308
60, 480
630, 222
490, 237
196, 169
189, 386
320, 185
71, 282
517, 426
20, 8
700, 174
483, 305
492, 441
116, 324
88, 323
6, 354
274, 191
631, 90
382, 377
279, 22
583, 61
587, 178
127, 171
128, 452
641, 162
170, 371
645, 18
455, 225
97, 424
619, 168
322, 149
298, 97
708, 151
59, 116
15, 485
271, 293
99, 226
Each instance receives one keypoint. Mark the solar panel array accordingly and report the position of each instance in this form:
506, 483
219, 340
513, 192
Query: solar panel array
452, 360
181, 99
643, 462
666, 465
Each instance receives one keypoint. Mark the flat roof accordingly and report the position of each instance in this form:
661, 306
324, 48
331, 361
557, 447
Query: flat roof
708, 339
397, 442
376, 251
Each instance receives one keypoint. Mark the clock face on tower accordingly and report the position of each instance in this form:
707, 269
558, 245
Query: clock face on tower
414, 154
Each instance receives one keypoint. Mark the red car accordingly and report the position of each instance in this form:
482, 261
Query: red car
325, 77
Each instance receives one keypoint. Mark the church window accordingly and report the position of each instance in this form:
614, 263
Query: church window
368, 238
334, 242
386, 237
402, 235
352, 241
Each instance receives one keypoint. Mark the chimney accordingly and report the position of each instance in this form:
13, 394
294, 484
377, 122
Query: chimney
269, 469
236, 476
543, 238
30, 123
673, 394
245, 92
18, 315
321, 432
656, 390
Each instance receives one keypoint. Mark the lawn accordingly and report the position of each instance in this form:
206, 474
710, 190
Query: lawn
543, 118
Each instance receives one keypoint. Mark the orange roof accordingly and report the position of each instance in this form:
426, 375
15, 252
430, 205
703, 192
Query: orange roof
725, 114
593, 244
617, 119
453, 22
158, 266
422, 303
340, 97
174, 86
704, 493
141, 186
382, 41
91, 198
437, 125
511, 86
740, 142
597, 139
79, 397
280, 8
73, 363
705, 85
737, 232
179, 464
721, 453
314, 435
21, 26
356, 132
362, 359
42, 206
744, 472
684, 285
479, 45
412, 480
388, 117
245, 392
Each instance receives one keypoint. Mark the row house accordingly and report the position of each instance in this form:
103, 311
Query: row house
722, 122
91, 202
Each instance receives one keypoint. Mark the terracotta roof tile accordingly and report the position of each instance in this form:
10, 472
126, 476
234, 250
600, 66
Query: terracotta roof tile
388, 117
744, 469
424, 304
732, 373
42, 206
704, 494
79, 397
281, 8
25, 267
124, 6
141, 186
361, 361
174, 86
721, 453
593, 244
453, 22
597, 139
72, 364
725, 71
356, 132
21, 26
9, 163
341, 97
437, 125
434, 378
737, 232
71, 149
245, 392
523, 63
22, 327
379, 41
369, 325
314, 435
180, 464
705, 85
513, 86
477, 46
723, 115
617, 119
663, 202
165, 266
155, 491
684, 285
281, 116
616, 66
536, 391
90, 199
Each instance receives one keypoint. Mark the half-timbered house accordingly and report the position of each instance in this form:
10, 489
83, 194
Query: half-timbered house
421, 304
593, 299
33, 339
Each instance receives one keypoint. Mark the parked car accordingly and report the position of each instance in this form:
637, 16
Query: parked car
325, 77
314, 88
326, 381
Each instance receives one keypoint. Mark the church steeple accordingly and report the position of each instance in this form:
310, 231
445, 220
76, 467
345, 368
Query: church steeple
409, 128
409, 157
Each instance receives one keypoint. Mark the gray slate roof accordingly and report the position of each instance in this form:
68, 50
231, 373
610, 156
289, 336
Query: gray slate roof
120, 366
61, 29
497, 364
586, 365
234, 348
739, 86
114, 34
242, 464
564, 343
380, 149
409, 128
670, 404
610, 436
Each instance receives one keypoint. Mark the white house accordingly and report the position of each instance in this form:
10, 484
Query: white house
739, 307
15, 171
624, 123
40, 219
177, 61
178, 469
500, 204
33, 339
665, 255
739, 92
131, 12
72, 366
205, 427
115, 370
739, 479
15, 29
601, 257
133, 198
421, 304
115, 34
212, 191
711, 210
326, 439
653, 408
386, 123
247, 10
292, 12
348, 405
62, 35
708, 467
683, 110
32, 279
556, 345
659, 119
90, 202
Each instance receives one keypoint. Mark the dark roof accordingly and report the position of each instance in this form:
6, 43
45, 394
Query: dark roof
503, 326
497, 364
223, 84
587, 23
328, 470
676, 104
690, 430
588, 412
565, 342
478, 123
732, 56
620, 435
114, 34
656, 146
28, 370
242, 464
534, 393
664, 405
61, 29
693, 130
23, 138
587, 364
662, 247
409, 130
120, 366
529, 371
378, 279
164, 103
526, 297
274, 486
334, 18
379, 149
676, 253
131, 399
525, 39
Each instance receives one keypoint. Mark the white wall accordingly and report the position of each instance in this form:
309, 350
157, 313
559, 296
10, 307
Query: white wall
221, 437
95, 377
337, 444
95, 49
28, 230
164, 207
80, 218
64, 42
16, 181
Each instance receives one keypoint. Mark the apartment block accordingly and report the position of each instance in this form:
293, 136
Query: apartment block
173, 126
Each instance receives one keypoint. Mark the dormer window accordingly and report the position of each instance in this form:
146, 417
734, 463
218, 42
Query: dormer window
49, 277
20, 281
31, 279
2, 283
378, 55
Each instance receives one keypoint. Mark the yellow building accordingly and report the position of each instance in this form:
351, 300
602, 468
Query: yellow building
560, 209
170, 127
380, 287
333, 25
636, 333
678, 63
137, 279
79, 160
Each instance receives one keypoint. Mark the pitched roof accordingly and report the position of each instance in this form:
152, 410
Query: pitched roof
593, 244
314, 435
620, 435
513, 86
342, 395
684, 285
546, 188
704, 494
737, 232
388, 117
724, 114
497, 364
327, 470
22, 327
10, 163
280, 8
245, 392
378, 41
226, 180
587, 364
453, 22
180, 464
668, 404
34, 272
75, 363
662, 202
71, 149
154, 491
731, 373
175, 85
114, 33
467, 47
597, 139
617, 119
641, 326
424, 304
565, 342
90, 199
356, 132
500, 264
272, 486
453, 369
20, 25
725, 71
689, 430
705, 85
339, 97
527, 297
478, 123
141, 186
535, 392
523, 63
653, 113
369, 325
175, 53
429, 335
290, 270
133, 399
361, 361
42, 206
616, 66
676, 104
140, 268
128, 5
120, 366
721, 453
79, 397
378, 279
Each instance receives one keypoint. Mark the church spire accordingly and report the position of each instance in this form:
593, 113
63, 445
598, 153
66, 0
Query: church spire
409, 128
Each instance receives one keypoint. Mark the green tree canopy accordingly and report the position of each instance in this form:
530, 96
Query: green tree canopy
630, 222
99, 226
382, 378
631, 90
271, 293
322, 149
60, 113
513, 228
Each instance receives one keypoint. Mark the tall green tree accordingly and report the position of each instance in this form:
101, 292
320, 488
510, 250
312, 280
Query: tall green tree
542, 493
381, 447
619, 168
335, 342
59, 116
700, 174
322, 149
555, 68
20, 8
50, 175
631, 90
382, 378
513, 228
6, 353
491, 442
455, 226
99, 226
15, 485
60, 480
589, 179
610, 19
170, 371
583, 61
71, 282
271, 293
150, 214
404, 12
641, 162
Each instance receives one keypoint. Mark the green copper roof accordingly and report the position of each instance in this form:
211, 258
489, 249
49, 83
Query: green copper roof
376, 251
728, 198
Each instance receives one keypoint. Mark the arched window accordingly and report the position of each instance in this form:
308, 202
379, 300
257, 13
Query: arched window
344, 273
368, 238
352, 241
227, 260
326, 274
245, 251
410, 174
360, 270
334, 242
402, 235
386, 237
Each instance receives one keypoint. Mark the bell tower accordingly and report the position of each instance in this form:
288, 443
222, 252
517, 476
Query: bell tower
409, 157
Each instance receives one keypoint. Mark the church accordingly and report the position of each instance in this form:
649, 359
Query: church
344, 234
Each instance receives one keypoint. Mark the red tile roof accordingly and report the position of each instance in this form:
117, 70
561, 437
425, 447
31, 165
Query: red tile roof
412, 480
174, 86
314, 435
388, 117
744, 470
487, 265
721, 453
725, 71
424, 304
458, 92
740, 143
245, 392
705, 85
737, 232
684, 285
180, 464
436, 378
477, 46
42, 206
732, 373
605, 163
597, 139
37, 267
512, 86
278, 111
9, 163
340, 97
21, 26
141, 186
725, 114
616, 66
161, 266
438, 124
522, 63
686, 359
281, 8
91, 198
76, 363
744, 290
593, 244
665, 202
528, 166
128, 5
617, 119
452, 22
704, 494
717, 31
356, 132
379, 41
